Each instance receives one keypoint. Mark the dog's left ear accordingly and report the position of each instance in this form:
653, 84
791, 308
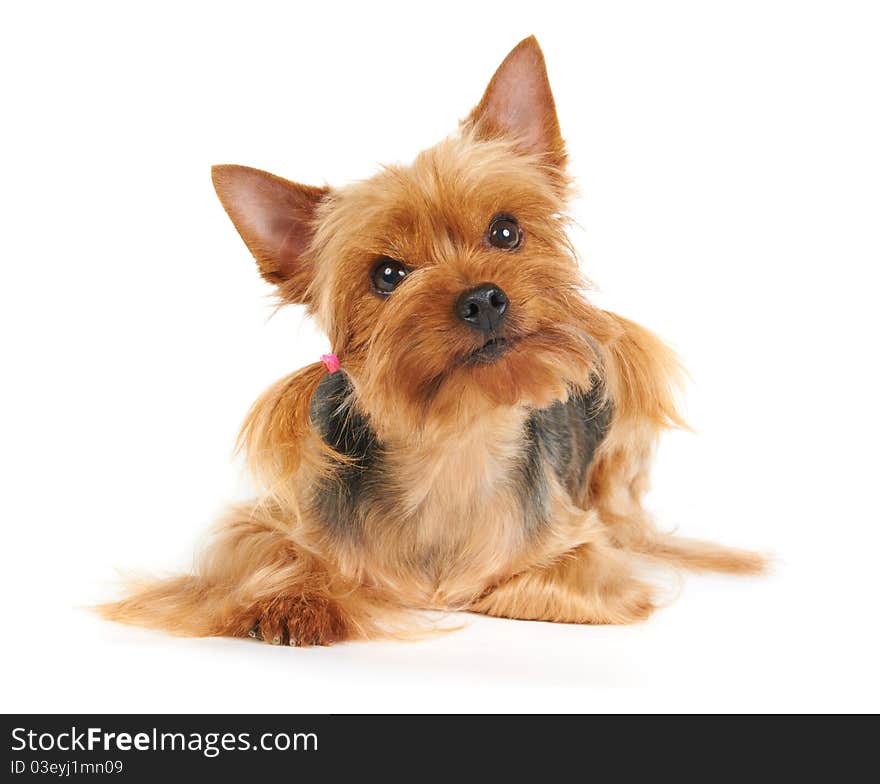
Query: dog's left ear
518, 105
275, 218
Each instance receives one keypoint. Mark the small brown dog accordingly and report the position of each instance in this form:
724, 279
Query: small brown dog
486, 443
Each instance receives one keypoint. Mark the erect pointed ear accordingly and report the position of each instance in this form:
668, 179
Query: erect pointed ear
275, 218
518, 104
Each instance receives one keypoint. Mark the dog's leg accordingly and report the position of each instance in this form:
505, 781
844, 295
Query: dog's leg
702, 556
254, 580
591, 584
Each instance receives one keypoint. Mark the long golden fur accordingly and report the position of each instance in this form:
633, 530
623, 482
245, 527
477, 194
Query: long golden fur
431, 472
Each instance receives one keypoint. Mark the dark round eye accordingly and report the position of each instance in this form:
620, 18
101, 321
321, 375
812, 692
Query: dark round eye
505, 233
387, 274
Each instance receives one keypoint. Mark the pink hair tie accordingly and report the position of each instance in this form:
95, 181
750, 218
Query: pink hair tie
331, 362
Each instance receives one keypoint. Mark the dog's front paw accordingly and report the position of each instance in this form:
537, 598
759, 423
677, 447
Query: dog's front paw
303, 620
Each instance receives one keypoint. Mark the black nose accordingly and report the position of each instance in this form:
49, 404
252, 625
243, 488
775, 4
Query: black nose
482, 308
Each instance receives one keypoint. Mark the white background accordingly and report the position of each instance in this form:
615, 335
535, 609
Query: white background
727, 155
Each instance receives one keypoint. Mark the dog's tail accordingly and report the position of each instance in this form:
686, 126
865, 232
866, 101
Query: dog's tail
702, 556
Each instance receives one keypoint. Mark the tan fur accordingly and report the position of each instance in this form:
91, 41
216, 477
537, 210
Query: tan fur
450, 528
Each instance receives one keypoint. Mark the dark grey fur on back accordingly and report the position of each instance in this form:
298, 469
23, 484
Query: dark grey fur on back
336, 417
565, 435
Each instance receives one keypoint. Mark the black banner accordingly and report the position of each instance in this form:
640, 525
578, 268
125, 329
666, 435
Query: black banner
147, 747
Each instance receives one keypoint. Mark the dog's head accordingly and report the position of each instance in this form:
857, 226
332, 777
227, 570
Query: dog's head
447, 286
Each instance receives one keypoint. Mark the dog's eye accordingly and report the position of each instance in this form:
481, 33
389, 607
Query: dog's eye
387, 274
505, 233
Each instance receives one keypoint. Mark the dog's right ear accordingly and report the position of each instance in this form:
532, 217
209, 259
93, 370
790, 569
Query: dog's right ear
275, 218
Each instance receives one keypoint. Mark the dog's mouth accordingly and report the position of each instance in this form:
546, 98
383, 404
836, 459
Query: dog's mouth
491, 351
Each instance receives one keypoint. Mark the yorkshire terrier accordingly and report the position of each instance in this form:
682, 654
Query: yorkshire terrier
481, 437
